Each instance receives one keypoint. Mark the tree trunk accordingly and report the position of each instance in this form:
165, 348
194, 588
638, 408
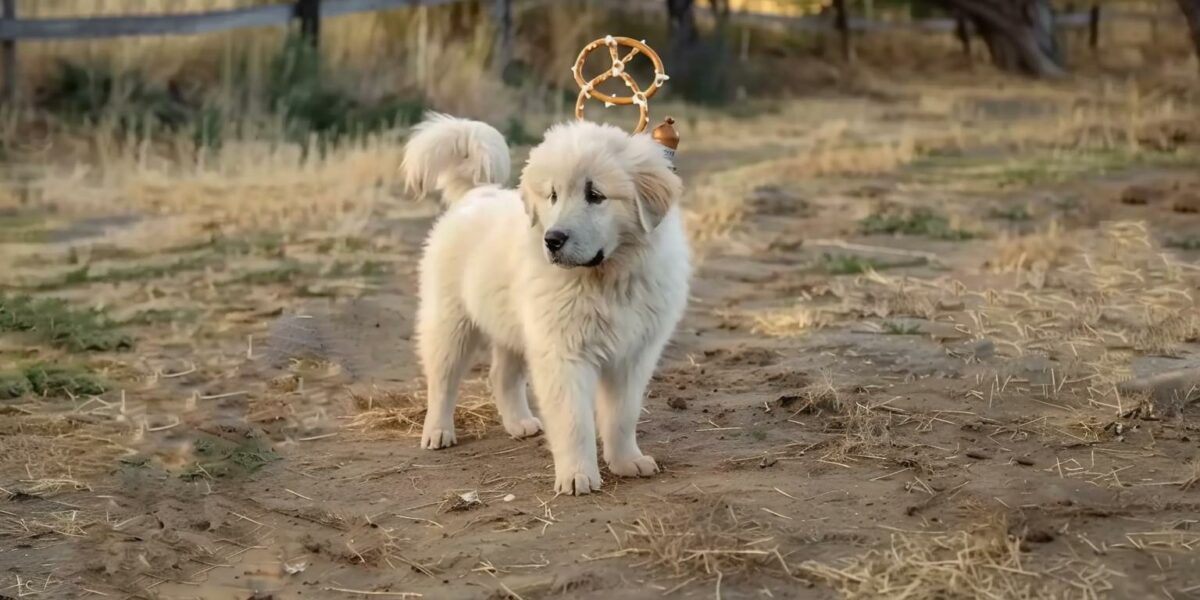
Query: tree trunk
682, 33
1191, 11
1019, 33
681, 20
841, 20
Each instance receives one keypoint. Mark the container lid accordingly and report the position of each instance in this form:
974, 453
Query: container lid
666, 134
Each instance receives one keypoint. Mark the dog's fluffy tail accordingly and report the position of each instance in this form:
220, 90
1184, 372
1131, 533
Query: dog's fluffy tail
454, 156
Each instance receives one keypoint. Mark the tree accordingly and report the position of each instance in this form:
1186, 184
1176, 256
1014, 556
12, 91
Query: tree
681, 26
1191, 11
1019, 33
683, 37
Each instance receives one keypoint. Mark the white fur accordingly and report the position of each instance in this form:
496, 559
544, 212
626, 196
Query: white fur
589, 337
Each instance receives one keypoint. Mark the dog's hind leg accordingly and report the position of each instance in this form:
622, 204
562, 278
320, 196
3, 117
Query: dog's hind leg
508, 388
446, 344
618, 407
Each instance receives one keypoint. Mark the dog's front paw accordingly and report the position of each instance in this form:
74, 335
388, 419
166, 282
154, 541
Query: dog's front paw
577, 481
520, 428
641, 466
434, 438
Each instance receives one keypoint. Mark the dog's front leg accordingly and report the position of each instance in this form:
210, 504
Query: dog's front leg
566, 390
622, 386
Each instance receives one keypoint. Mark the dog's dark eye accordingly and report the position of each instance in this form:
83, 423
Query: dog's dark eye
592, 194
553, 196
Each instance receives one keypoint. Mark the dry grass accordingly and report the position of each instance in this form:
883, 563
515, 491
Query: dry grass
865, 431
1097, 303
51, 452
713, 212
708, 540
335, 190
474, 415
822, 394
1034, 254
985, 562
1101, 299
65, 523
796, 321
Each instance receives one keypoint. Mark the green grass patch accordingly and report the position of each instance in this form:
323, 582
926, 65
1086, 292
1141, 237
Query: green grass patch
303, 93
299, 89
1040, 168
1187, 242
368, 268
919, 221
159, 316
84, 275
283, 274
1012, 213
849, 264
901, 328
219, 457
57, 323
50, 381
13, 384
269, 244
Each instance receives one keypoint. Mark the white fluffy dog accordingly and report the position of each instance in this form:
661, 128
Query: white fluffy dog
578, 278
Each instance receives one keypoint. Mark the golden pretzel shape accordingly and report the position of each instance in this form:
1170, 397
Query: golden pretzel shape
587, 88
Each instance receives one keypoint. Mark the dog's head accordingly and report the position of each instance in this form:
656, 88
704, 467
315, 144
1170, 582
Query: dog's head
591, 190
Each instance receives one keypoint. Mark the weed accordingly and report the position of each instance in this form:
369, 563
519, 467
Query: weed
45, 380
369, 268
849, 264
296, 90
157, 316
1012, 213
856, 265
73, 381
89, 95
83, 275
286, 273
901, 328
13, 385
1187, 242
218, 457
918, 221
55, 322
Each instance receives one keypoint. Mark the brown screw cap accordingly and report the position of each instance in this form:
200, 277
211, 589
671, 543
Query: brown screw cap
666, 134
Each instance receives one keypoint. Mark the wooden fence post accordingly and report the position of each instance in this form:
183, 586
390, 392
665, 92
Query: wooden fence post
502, 49
1094, 27
842, 22
308, 12
962, 29
9, 51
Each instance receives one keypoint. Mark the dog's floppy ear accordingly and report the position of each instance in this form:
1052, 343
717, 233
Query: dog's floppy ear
657, 187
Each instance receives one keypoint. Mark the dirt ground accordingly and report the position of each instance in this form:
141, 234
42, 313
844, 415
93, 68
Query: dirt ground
939, 346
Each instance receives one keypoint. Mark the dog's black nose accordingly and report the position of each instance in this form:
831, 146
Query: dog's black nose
555, 239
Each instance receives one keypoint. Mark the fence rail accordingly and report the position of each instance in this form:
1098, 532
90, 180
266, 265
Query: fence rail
310, 12
307, 12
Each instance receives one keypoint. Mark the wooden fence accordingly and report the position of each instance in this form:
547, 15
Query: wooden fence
308, 14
